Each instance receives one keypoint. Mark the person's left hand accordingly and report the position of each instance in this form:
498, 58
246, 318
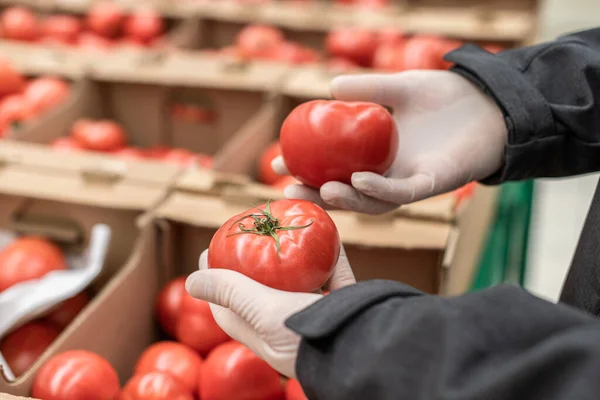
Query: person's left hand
255, 314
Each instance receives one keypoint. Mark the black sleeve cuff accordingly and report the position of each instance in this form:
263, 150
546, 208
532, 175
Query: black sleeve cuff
526, 112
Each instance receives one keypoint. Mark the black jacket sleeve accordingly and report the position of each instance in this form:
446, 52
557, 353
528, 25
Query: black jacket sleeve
382, 340
550, 96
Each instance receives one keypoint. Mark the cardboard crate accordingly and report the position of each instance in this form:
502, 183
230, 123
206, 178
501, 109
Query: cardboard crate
142, 100
62, 196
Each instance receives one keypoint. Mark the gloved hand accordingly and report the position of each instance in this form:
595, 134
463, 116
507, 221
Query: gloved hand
254, 314
450, 132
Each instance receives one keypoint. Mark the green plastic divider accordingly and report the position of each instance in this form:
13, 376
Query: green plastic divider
504, 259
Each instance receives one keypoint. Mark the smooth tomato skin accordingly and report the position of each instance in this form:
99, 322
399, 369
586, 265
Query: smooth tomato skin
66, 144
155, 386
67, 311
354, 44
266, 174
233, 371
389, 57
293, 390
46, 92
11, 81
174, 359
259, 41
423, 52
76, 375
99, 135
324, 141
168, 304
307, 256
19, 23
62, 28
105, 18
28, 258
196, 326
14, 108
24, 346
144, 25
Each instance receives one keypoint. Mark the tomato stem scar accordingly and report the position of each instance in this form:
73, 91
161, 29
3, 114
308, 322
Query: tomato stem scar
265, 224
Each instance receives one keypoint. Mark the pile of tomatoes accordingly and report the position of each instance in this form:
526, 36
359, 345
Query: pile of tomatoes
104, 27
346, 49
23, 99
203, 363
108, 136
25, 259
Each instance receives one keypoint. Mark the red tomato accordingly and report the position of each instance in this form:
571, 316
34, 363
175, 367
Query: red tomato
259, 41
94, 42
155, 386
66, 311
14, 108
303, 262
19, 23
492, 48
63, 28
295, 53
74, 375
423, 52
341, 65
66, 144
168, 304
144, 25
445, 47
98, 135
130, 153
286, 181
28, 258
354, 44
46, 93
157, 151
11, 81
373, 3
196, 326
232, 371
266, 174
390, 36
293, 390
174, 359
325, 141
389, 57
105, 18
24, 346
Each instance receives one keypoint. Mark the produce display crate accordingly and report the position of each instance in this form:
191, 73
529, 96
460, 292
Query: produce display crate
61, 196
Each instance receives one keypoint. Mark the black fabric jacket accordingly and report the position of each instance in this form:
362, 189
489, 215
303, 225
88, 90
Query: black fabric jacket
383, 340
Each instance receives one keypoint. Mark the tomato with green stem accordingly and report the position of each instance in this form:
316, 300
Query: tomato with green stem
290, 245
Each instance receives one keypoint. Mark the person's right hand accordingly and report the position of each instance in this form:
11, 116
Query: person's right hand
451, 133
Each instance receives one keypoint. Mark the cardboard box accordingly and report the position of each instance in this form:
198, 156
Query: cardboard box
62, 196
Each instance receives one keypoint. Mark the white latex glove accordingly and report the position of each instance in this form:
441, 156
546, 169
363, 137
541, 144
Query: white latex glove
254, 314
450, 132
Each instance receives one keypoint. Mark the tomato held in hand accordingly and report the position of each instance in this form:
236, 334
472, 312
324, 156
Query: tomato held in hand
354, 44
25, 345
19, 23
11, 81
28, 258
68, 310
172, 358
324, 141
259, 41
74, 375
144, 26
168, 304
266, 174
62, 28
196, 326
290, 245
100, 135
46, 93
105, 18
233, 371
155, 386
293, 390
